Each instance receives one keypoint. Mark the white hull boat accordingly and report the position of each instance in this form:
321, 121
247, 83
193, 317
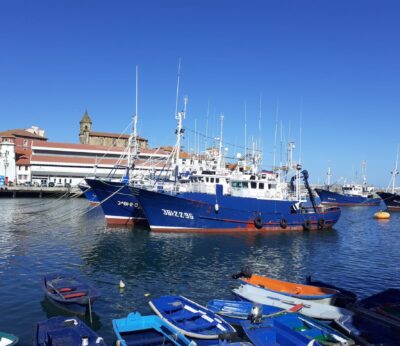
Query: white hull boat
315, 310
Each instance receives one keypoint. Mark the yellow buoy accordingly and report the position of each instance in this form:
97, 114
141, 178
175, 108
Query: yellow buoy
382, 215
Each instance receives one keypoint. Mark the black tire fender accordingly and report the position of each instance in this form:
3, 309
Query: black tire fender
307, 225
283, 223
321, 224
258, 222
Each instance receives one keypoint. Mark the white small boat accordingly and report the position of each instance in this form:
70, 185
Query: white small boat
315, 310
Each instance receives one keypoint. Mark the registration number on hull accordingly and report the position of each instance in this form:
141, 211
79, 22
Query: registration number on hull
128, 204
175, 213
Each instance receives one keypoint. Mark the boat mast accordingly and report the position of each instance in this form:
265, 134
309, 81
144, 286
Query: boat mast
395, 171
328, 177
276, 133
245, 134
133, 145
364, 167
220, 155
179, 133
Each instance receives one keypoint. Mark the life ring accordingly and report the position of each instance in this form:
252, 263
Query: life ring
258, 222
283, 223
321, 224
307, 225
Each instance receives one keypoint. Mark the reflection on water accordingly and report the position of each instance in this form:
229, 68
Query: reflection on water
39, 236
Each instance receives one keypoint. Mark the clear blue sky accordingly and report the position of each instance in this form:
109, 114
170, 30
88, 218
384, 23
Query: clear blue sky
341, 58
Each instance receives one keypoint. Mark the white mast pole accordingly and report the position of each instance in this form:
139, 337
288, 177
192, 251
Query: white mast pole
395, 172
245, 133
132, 145
260, 144
207, 115
301, 128
220, 143
276, 132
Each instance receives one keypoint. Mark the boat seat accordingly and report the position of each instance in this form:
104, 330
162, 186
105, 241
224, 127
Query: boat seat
201, 326
65, 289
74, 295
187, 316
171, 309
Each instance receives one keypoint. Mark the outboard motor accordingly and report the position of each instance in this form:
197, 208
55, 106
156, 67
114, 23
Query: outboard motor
256, 314
244, 273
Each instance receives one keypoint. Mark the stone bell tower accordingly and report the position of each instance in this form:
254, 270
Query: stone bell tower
85, 128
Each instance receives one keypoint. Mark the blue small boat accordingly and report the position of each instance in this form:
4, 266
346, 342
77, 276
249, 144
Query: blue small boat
191, 319
367, 328
65, 331
234, 311
7, 339
292, 329
141, 330
69, 292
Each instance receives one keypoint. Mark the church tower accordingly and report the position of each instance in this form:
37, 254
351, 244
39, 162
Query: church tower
85, 128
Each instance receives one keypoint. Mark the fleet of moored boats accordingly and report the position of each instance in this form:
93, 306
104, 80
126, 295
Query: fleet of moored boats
266, 312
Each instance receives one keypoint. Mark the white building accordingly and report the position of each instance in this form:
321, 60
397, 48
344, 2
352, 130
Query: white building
66, 163
7, 160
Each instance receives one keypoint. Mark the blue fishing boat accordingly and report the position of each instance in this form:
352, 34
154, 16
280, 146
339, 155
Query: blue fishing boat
89, 194
69, 292
65, 331
139, 330
292, 329
352, 195
391, 200
191, 319
234, 311
7, 339
234, 212
119, 205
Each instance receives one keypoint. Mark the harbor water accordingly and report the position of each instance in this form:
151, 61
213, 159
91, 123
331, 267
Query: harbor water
40, 236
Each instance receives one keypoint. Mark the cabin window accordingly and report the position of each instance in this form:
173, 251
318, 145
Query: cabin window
245, 185
261, 186
236, 184
211, 180
207, 180
217, 180
253, 185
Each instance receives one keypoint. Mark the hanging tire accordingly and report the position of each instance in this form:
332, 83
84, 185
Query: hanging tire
321, 224
283, 223
258, 222
307, 225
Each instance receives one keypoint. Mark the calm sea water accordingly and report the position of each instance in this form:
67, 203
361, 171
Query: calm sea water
43, 236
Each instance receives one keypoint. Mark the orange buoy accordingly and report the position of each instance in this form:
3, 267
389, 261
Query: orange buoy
382, 215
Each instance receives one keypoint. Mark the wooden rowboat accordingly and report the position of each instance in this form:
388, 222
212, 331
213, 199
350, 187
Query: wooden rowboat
69, 292
318, 294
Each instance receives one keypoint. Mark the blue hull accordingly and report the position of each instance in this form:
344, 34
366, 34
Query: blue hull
89, 194
334, 198
141, 330
391, 200
69, 293
197, 212
292, 330
193, 320
64, 331
120, 206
